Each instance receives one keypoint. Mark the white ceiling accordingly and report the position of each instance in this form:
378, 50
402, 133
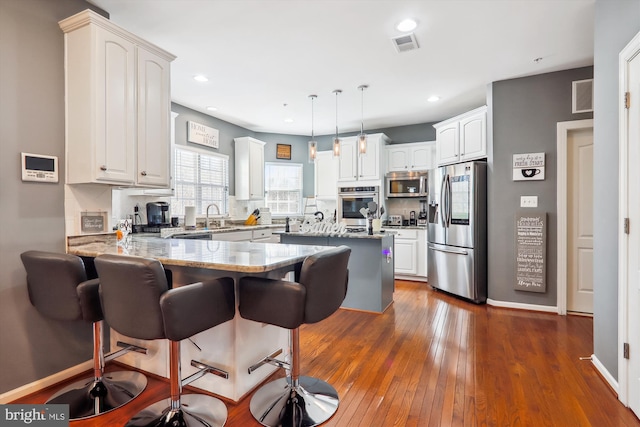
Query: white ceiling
262, 54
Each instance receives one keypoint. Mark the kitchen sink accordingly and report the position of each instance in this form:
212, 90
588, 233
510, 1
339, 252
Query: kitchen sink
204, 234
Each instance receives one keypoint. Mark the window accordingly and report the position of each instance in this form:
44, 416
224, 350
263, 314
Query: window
283, 187
200, 179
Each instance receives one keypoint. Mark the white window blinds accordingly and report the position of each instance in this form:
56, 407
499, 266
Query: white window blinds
283, 187
200, 179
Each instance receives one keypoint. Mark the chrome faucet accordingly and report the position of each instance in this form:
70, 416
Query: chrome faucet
206, 223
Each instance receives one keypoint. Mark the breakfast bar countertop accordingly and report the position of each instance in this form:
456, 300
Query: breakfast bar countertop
243, 257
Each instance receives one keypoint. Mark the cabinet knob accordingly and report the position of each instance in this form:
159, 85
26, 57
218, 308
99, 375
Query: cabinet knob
103, 168
143, 173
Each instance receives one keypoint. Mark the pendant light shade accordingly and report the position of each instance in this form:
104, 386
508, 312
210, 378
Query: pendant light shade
313, 145
362, 137
336, 140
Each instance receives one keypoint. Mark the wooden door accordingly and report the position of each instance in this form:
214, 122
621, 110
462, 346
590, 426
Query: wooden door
580, 221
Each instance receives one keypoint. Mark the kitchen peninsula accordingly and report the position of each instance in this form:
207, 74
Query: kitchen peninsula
371, 265
232, 346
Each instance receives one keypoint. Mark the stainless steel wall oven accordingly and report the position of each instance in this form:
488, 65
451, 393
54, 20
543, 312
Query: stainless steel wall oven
351, 200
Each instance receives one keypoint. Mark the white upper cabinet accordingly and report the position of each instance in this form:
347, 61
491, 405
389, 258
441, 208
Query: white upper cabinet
249, 165
417, 156
118, 101
353, 166
462, 138
326, 176
154, 156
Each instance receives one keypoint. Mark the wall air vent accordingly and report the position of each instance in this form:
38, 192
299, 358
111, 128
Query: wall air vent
582, 96
405, 43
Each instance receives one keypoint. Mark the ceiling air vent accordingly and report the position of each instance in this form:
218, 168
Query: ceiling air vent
405, 43
582, 98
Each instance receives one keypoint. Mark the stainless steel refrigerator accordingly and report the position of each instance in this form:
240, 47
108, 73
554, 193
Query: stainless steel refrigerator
457, 235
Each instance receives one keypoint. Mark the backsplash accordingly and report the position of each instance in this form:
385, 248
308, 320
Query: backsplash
119, 203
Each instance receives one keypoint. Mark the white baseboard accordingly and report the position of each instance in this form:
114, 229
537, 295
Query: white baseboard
605, 374
26, 389
522, 306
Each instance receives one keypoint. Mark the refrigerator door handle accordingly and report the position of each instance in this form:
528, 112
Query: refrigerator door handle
449, 251
448, 201
442, 200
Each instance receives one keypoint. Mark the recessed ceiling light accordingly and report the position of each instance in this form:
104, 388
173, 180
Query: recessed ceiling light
212, 108
200, 78
288, 120
407, 25
433, 98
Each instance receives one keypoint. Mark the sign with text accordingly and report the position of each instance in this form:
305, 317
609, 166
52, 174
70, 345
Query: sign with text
529, 166
531, 244
203, 135
93, 222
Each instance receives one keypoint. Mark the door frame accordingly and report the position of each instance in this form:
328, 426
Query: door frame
626, 55
563, 130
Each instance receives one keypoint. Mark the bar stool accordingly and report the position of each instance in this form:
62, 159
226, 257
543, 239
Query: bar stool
320, 288
59, 289
137, 302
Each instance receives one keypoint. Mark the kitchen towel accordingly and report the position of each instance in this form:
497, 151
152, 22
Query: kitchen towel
190, 216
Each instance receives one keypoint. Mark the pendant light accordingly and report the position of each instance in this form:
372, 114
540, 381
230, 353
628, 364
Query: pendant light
313, 145
336, 140
362, 137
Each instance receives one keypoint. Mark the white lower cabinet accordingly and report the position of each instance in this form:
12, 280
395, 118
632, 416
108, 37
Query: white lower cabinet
410, 254
406, 261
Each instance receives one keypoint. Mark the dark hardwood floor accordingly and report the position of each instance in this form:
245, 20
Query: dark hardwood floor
432, 360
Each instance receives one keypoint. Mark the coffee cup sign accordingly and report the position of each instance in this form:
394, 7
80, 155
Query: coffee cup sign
529, 166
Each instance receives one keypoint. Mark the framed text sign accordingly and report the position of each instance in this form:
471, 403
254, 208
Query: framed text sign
283, 151
203, 135
93, 222
531, 245
528, 167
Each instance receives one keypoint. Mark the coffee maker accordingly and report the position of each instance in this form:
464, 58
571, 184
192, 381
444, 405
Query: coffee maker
158, 214
423, 214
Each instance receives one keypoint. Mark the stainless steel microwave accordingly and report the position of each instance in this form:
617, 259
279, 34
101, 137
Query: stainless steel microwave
407, 184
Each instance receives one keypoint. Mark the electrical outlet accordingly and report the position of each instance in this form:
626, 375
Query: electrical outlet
528, 201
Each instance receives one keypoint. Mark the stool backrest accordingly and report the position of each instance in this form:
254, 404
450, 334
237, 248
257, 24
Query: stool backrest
325, 278
130, 291
52, 279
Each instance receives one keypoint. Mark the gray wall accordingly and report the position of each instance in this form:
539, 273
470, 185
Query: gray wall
228, 131
616, 22
32, 120
523, 117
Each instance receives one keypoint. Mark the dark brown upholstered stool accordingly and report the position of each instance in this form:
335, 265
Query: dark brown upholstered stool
59, 289
137, 302
320, 288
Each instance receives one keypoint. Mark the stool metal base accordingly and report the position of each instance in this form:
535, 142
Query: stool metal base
88, 398
195, 410
278, 404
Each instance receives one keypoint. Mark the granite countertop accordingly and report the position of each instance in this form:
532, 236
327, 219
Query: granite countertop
404, 227
246, 257
168, 232
348, 235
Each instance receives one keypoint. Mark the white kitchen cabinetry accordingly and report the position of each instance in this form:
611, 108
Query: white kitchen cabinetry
353, 166
410, 254
118, 101
249, 162
326, 176
462, 138
417, 156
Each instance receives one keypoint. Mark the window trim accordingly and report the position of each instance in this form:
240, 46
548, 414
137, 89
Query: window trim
200, 151
301, 166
